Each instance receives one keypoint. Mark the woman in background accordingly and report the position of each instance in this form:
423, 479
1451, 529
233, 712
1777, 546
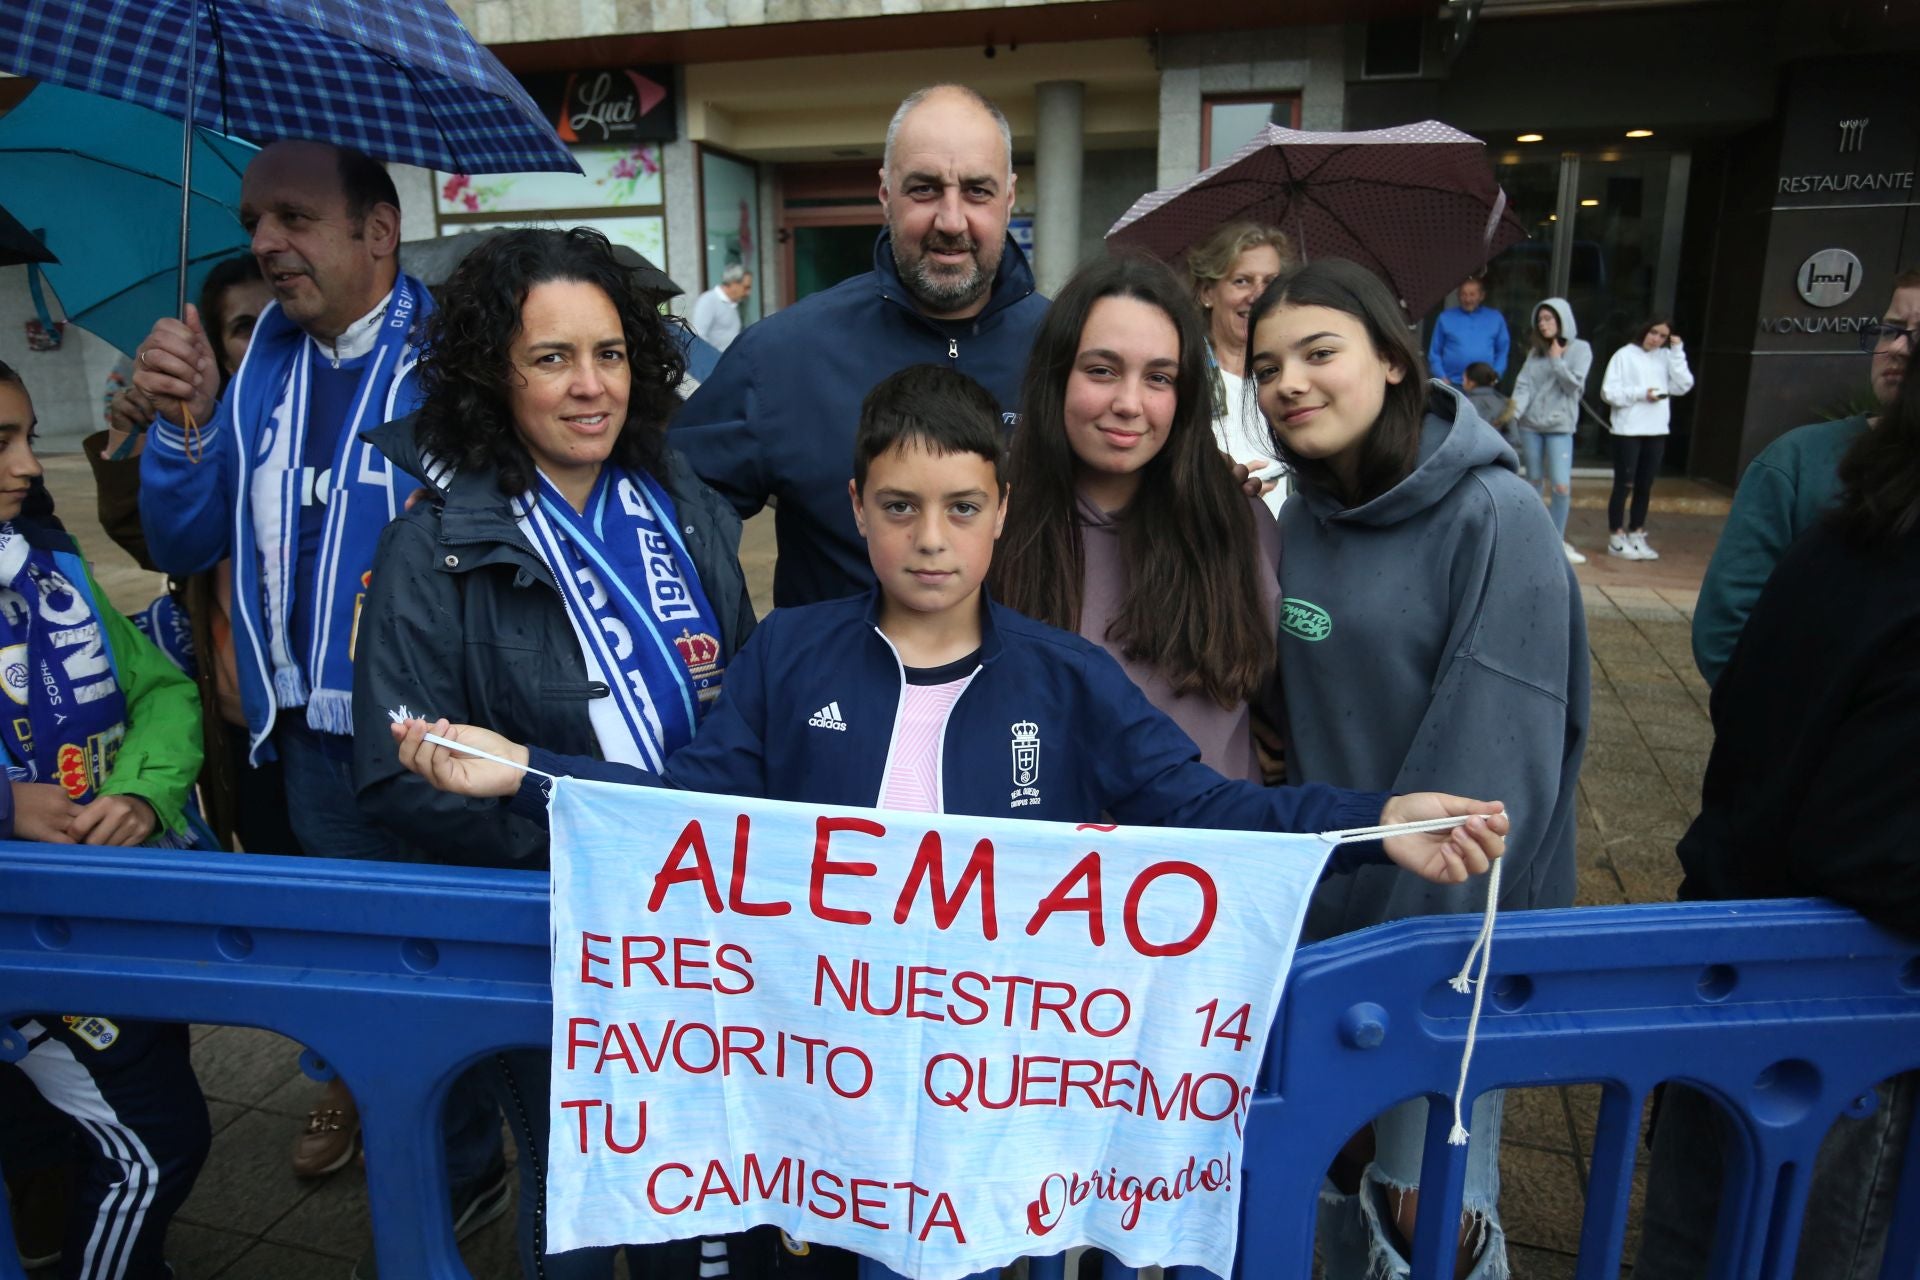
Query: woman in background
1641, 378
1546, 407
1229, 269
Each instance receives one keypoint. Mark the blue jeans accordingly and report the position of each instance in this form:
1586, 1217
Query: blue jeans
1549, 460
325, 815
1356, 1235
1849, 1206
326, 820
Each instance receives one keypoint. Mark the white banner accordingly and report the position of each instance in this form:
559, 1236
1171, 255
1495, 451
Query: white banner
943, 1042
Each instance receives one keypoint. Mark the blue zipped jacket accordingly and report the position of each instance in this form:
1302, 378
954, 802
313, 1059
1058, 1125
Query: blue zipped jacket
777, 416
1049, 728
198, 502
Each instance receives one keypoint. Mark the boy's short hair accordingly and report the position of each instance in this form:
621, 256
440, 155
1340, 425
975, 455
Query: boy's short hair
932, 405
1482, 372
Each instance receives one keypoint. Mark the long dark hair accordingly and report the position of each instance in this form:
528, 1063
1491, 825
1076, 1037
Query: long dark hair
1880, 473
1192, 607
1645, 327
1391, 449
226, 273
464, 419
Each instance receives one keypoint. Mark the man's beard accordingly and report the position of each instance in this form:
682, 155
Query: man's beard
940, 291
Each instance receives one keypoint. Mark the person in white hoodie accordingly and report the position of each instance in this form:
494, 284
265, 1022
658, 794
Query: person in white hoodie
1546, 408
1641, 378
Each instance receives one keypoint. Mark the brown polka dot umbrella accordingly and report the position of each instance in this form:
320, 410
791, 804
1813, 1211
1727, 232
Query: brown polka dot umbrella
1417, 204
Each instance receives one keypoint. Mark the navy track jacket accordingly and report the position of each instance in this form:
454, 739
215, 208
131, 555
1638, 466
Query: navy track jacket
776, 418
1050, 728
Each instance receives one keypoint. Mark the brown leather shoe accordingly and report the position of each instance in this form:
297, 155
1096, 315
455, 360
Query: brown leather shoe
333, 1130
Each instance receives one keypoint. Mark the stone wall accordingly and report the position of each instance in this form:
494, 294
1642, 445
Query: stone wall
1310, 61
519, 21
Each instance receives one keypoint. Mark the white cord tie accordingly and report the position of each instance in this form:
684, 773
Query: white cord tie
1397, 829
1483, 950
402, 715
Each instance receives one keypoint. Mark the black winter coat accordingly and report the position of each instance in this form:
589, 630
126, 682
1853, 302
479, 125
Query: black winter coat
1810, 787
463, 620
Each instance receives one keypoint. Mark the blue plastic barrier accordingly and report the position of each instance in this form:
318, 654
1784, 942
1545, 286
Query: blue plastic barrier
1787, 1012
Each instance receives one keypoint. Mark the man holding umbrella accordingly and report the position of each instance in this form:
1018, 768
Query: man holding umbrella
276, 478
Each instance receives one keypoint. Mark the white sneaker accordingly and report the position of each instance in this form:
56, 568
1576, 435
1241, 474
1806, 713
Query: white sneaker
1573, 557
1639, 543
1618, 545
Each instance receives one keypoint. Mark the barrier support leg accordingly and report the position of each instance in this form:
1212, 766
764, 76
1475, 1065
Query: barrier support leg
1610, 1184
1443, 1186
1759, 1232
407, 1185
1287, 1191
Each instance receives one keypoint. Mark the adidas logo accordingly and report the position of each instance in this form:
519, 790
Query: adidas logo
828, 717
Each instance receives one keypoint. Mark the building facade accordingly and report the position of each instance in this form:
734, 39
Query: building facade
1743, 166
1695, 159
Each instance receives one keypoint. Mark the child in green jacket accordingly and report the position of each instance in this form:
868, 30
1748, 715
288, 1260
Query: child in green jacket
102, 743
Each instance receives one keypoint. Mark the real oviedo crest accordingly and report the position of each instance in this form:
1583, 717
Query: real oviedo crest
1026, 764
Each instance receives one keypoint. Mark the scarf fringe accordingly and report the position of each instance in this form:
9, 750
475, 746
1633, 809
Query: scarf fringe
330, 711
289, 687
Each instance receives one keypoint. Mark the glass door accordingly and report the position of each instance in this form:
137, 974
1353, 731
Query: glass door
1519, 278
829, 217
1604, 228
1615, 246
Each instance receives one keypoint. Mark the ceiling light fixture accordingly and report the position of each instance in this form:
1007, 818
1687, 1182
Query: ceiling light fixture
1531, 137
1589, 204
1639, 133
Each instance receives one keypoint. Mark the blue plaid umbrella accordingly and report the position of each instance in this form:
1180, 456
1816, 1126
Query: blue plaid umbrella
398, 79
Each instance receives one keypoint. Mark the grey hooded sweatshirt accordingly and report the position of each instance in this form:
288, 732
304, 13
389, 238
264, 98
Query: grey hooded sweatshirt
1546, 395
1433, 639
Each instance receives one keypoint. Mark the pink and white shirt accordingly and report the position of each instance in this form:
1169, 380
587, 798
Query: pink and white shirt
913, 764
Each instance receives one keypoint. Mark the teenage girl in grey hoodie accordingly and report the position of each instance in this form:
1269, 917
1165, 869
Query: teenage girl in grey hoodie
1431, 637
1546, 406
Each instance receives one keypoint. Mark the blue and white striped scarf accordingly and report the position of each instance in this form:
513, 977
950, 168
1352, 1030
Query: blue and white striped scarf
637, 608
363, 496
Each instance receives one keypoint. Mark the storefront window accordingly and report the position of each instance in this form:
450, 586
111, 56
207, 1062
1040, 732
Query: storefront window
730, 214
620, 194
1227, 123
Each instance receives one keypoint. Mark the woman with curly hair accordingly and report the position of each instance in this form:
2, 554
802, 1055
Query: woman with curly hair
568, 580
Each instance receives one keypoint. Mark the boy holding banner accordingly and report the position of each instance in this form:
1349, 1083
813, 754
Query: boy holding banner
926, 695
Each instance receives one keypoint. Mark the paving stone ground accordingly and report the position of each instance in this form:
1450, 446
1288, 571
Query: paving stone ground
250, 1219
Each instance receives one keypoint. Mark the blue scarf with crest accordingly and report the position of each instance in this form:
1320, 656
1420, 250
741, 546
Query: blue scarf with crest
67, 714
642, 619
